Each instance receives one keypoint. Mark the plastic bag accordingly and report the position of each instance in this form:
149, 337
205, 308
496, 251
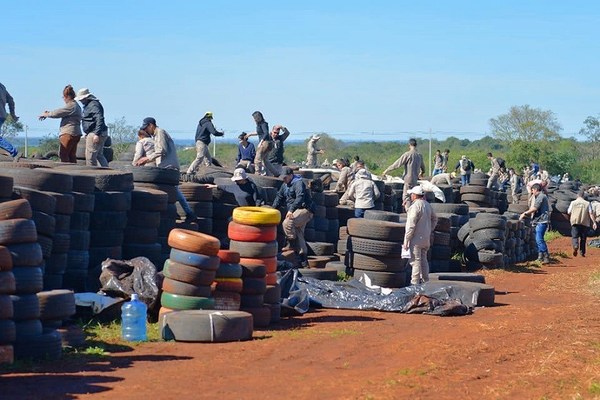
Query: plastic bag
122, 278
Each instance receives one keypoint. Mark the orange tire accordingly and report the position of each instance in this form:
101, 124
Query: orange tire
228, 285
270, 263
272, 278
229, 257
6, 262
163, 311
194, 242
249, 233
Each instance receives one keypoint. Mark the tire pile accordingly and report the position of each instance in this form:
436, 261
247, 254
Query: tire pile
190, 271
253, 234
445, 242
324, 226
223, 205
320, 254
143, 222
228, 284
200, 199
476, 194
375, 249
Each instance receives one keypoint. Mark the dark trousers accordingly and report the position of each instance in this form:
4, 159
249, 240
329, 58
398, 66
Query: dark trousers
579, 236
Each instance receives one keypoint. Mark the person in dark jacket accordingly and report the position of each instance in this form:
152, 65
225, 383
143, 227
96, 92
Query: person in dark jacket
246, 153
245, 191
265, 145
300, 210
203, 131
276, 155
94, 127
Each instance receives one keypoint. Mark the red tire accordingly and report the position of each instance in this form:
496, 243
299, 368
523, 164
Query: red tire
270, 263
228, 285
229, 257
271, 279
248, 233
194, 242
6, 263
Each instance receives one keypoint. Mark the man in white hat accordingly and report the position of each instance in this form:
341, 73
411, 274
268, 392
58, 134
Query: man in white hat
313, 150
420, 223
245, 191
94, 128
203, 131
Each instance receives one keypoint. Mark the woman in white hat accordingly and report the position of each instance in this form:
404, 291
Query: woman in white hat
313, 150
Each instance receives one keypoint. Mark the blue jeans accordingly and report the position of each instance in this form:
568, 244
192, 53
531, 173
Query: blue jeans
437, 171
183, 202
5, 145
540, 230
465, 179
360, 212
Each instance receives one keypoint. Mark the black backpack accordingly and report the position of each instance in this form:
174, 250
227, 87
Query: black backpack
465, 164
501, 162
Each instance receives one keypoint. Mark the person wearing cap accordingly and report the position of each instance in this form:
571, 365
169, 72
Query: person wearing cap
246, 153
539, 210
313, 150
300, 210
414, 167
276, 154
94, 127
420, 223
265, 145
6, 98
165, 156
70, 125
582, 218
245, 191
466, 166
364, 192
345, 178
204, 129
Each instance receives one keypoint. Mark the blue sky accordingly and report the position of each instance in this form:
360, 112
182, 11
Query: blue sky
389, 68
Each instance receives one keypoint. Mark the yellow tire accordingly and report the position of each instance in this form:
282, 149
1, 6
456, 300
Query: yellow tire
256, 216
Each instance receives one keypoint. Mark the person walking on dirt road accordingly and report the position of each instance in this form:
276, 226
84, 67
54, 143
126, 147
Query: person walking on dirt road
420, 223
300, 210
414, 168
204, 129
582, 218
539, 210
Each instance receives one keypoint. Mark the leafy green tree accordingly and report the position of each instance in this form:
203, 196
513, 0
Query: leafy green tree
527, 124
10, 128
123, 136
591, 129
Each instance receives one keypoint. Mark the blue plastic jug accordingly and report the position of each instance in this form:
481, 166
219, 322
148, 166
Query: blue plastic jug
133, 320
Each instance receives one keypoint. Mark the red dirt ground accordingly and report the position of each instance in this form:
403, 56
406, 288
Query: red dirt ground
541, 341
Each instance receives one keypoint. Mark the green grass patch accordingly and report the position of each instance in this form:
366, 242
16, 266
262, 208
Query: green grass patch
551, 235
594, 388
111, 333
343, 332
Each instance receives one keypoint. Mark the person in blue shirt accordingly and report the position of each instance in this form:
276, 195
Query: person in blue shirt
246, 153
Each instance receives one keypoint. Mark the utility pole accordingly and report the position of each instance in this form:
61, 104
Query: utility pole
26, 140
430, 170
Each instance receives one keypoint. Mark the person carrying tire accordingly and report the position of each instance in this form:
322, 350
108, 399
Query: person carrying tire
94, 127
420, 223
364, 192
582, 218
300, 210
165, 156
6, 98
539, 210
465, 166
70, 125
414, 168
204, 129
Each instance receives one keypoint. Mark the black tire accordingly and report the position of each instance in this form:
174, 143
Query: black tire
6, 186
252, 300
382, 215
188, 274
487, 221
377, 263
29, 280
254, 271
28, 329
254, 249
44, 179
26, 254
273, 294
83, 202
459, 209
8, 331
324, 274
15, 231
181, 288
78, 260
56, 304
441, 238
254, 286
223, 211
133, 235
39, 201
15, 209
47, 346
80, 221
376, 247
457, 276
46, 245
150, 174
152, 251
491, 258
518, 208
6, 308
207, 326
143, 219
112, 201
148, 199
441, 252
45, 223
320, 248
108, 220
377, 230
56, 263
464, 232
385, 279
196, 192
111, 180
266, 181
61, 242
7, 282
26, 306
489, 233
62, 223
443, 224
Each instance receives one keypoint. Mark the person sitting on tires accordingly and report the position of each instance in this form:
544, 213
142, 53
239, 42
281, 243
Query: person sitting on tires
144, 148
246, 153
420, 223
300, 210
203, 131
364, 192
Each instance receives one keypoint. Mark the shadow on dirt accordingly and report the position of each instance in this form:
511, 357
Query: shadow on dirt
62, 379
312, 318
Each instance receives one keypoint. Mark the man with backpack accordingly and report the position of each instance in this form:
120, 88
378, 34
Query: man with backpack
498, 166
466, 166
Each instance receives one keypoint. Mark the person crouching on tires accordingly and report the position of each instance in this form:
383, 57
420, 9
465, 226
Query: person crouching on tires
364, 192
420, 223
300, 210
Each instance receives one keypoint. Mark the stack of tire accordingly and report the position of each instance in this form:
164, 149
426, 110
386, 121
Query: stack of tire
223, 205
559, 218
228, 283
107, 222
143, 221
317, 228
7, 287
22, 263
56, 306
375, 248
320, 254
450, 218
379, 203
253, 234
390, 199
200, 199
485, 240
190, 271
331, 201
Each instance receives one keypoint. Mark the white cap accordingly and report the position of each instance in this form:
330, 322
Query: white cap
239, 174
315, 137
418, 190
